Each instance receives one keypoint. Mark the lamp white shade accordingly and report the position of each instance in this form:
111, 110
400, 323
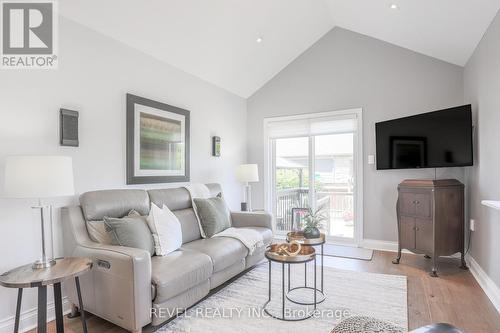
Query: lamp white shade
247, 173
38, 176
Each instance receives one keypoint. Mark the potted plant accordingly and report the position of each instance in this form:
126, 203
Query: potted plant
312, 222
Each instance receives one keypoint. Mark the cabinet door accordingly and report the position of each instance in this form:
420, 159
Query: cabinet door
424, 235
407, 203
407, 232
423, 205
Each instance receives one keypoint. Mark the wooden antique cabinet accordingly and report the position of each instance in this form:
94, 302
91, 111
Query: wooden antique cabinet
431, 219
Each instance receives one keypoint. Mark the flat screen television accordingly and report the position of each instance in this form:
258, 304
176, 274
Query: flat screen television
436, 139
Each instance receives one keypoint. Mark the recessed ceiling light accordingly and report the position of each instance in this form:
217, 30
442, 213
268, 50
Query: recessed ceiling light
394, 6
259, 40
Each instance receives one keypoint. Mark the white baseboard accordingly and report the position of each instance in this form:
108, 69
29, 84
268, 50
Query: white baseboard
381, 245
489, 287
28, 318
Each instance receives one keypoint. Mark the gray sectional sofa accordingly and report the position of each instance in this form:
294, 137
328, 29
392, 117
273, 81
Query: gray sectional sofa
132, 289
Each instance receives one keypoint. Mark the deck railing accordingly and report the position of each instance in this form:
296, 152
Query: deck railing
334, 204
286, 200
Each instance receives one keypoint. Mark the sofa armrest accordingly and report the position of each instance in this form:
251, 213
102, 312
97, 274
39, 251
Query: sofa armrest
118, 287
122, 279
252, 219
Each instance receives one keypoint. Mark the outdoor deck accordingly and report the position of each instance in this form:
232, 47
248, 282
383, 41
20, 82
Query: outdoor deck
337, 204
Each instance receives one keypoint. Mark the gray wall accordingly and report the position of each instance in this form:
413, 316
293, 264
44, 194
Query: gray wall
95, 72
482, 89
348, 70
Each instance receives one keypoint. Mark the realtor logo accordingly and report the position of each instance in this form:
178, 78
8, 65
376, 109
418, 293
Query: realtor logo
28, 34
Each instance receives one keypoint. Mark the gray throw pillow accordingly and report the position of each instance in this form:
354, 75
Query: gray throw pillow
214, 215
130, 231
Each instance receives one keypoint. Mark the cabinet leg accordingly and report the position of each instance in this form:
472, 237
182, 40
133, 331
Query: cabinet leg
427, 256
398, 258
463, 263
74, 312
433, 273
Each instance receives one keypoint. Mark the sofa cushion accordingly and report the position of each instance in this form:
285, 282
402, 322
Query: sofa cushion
189, 224
178, 198
177, 272
97, 232
223, 251
173, 198
113, 203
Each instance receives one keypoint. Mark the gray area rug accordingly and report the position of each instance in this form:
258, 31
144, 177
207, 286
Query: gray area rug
238, 307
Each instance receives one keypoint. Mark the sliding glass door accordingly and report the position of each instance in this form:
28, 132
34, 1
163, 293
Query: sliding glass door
334, 182
291, 172
312, 164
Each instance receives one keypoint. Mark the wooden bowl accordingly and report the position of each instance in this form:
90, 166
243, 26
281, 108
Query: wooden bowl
306, 253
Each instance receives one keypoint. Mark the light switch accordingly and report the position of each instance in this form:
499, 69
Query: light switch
371, 159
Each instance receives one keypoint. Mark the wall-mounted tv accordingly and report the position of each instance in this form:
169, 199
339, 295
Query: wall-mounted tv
436, 139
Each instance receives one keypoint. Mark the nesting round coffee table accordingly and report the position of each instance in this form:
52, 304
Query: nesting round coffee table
299, 237
306, 254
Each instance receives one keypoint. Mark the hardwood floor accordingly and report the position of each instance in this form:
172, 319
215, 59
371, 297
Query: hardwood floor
454, 297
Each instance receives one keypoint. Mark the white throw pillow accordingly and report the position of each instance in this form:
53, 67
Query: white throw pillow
166, 230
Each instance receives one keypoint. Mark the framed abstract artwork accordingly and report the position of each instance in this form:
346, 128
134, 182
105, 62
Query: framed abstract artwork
157, 142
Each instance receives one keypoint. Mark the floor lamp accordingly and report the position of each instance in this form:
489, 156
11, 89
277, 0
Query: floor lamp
247, 173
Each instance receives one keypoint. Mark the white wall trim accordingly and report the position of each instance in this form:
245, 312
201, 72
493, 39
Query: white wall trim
391, 246
28, 319
359, 227
381, 245
489, 287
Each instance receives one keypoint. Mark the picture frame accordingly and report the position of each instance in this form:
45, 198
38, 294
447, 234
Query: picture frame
157, 142
298, 216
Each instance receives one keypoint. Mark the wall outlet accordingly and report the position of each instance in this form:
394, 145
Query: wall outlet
371, 159
472, 225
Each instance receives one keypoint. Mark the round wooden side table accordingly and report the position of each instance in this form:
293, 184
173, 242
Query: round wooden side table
28, 277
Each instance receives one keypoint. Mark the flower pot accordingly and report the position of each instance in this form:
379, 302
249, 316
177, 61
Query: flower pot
311, 233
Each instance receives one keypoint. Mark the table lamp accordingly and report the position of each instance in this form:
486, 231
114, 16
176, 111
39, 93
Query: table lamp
247, 173
39, 177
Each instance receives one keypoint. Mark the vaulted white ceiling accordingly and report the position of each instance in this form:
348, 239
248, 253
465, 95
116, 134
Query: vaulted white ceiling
216, 40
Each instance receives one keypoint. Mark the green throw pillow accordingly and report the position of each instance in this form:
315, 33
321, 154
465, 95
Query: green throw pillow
130, 231
214, 215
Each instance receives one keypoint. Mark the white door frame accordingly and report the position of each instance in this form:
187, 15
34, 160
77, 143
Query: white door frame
269, 162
